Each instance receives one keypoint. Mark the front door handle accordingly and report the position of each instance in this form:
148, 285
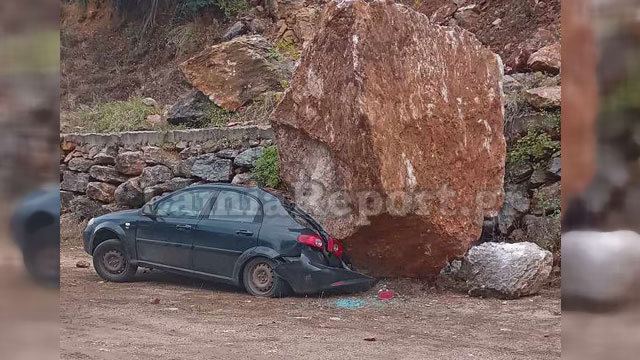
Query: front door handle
244, 232
184, 227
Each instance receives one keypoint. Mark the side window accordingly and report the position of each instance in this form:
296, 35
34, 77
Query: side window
185, 204
234, 206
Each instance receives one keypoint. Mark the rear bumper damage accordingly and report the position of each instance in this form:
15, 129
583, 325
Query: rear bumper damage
307, 277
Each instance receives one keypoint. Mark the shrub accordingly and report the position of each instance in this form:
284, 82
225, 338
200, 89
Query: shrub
288, 48
534, 146
219, 116
267, 168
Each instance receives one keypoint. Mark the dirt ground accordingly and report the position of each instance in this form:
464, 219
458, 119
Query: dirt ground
203, 320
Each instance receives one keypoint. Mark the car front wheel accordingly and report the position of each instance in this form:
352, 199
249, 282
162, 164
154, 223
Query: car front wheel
111, 262
261, 280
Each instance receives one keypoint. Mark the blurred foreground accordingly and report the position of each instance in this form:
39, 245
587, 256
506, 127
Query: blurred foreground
29, 63
601, 192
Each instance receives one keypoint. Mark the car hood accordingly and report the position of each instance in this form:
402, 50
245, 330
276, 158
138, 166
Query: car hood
118, 215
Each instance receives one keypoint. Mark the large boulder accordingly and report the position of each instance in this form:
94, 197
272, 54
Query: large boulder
398, 150
237, 71
600, 268
506, 270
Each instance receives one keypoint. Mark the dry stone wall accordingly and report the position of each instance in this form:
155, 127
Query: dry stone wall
100, 173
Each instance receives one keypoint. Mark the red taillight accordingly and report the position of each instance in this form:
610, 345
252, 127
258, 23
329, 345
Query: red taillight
310, 240
335, 247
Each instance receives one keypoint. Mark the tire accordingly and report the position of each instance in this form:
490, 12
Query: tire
259, 279
112, 263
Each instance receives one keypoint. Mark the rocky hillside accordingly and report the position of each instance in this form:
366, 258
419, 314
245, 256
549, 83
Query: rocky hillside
120, 72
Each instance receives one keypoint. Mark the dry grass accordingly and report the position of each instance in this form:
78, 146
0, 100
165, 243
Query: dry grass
71, 230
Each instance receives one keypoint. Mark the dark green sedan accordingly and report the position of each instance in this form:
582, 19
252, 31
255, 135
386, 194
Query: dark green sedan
243, 236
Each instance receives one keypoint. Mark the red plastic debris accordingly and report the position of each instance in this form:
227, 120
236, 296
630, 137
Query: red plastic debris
386, 294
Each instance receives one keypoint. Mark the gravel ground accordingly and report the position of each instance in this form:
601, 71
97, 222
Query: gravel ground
192, 319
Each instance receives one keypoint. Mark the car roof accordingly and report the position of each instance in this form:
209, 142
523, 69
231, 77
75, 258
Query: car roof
252, 190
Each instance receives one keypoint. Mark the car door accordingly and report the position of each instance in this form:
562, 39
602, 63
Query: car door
230, 228
165, 238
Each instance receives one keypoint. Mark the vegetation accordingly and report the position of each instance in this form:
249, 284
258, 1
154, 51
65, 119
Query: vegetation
534, 146
267, 168
219, 116
287, 48
112, 116
182, 8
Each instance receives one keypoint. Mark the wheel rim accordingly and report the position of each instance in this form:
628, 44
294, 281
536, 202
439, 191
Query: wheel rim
262, 278
114, 261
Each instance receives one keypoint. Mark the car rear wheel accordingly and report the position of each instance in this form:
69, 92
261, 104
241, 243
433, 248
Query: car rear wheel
111, 262
261, 280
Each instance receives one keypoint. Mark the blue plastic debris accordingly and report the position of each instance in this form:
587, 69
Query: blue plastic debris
350, 303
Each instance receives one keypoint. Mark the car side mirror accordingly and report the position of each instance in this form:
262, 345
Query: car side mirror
148, 210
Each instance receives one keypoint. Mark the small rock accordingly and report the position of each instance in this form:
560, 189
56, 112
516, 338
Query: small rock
496, 22
155, 301
238, 28
80, 164
73, 181
191, 109
153, 175
546, 59
130, 162
243, 179
555, 166
544, 98
544, 231
154, 120
211, 168
248, 157
227, 153
539, 177
85, 208
158, 156
100, 191
107, 174
369, 339
82, 264
150, 102
129, 194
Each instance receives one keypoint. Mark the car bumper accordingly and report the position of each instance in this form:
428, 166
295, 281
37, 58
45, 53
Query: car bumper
86, 239
307, 277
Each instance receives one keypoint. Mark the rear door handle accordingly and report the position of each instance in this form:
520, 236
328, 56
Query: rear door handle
184, 227
244, 232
